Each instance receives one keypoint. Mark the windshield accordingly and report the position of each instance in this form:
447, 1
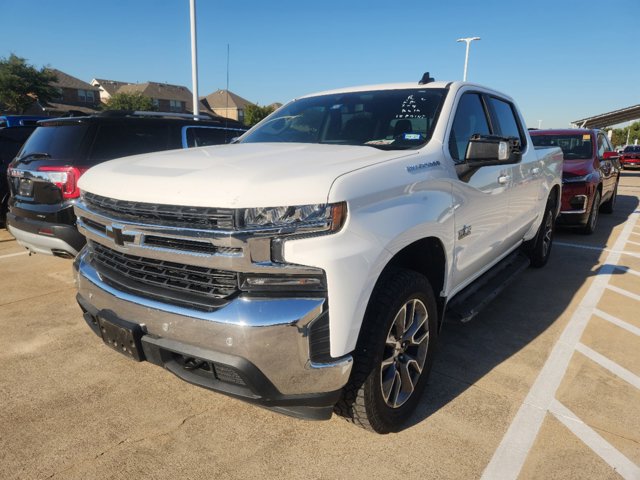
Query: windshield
632, 148
388, 119
574, 146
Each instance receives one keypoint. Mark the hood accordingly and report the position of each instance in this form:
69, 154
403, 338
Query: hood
233, 176
578, 168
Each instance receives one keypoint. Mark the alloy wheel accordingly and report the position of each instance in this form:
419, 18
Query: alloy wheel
405, 352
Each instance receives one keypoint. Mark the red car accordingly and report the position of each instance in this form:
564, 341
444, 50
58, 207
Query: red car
590, 174
630, 156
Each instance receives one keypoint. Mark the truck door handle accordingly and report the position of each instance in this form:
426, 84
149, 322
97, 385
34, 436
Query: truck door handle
535, 171
502, 179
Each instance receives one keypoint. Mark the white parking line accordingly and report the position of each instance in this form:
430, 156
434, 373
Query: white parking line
633, 243
509, 457
624, 292
628, 270
616, 321
621, 464
613, 367
12, 255
598, 249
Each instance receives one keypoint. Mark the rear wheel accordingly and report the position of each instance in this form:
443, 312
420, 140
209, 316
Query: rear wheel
592, 221
539, 248
394, 353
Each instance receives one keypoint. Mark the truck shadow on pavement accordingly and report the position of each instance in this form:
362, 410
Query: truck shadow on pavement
522, 312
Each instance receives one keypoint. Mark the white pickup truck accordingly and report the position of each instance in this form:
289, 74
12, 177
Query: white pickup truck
308, 267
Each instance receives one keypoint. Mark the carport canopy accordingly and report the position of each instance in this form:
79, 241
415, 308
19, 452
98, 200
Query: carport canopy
608, 119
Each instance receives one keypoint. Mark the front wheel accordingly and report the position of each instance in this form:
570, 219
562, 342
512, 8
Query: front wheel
592, 220
394, 353
609, 205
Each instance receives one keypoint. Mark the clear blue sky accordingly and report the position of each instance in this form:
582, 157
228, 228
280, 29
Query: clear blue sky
561, 60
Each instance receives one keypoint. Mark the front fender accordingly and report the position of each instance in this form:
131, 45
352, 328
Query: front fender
377, 228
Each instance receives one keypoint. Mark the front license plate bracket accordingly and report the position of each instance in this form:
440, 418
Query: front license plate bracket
121, 335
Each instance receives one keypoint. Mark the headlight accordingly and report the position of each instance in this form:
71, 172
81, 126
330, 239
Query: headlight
303, 218
582, 178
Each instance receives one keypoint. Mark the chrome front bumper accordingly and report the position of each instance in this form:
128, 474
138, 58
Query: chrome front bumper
271, 334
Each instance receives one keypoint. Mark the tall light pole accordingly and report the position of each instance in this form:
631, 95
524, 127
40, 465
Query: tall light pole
468, 41
194, 58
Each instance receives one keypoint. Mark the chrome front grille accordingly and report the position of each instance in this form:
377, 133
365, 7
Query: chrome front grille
203, 288
168, 215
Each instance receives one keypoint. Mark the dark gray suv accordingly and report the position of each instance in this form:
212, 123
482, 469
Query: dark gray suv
43, 178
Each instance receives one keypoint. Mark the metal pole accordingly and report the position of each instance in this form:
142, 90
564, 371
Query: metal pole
466, 61
194, 59
468, 41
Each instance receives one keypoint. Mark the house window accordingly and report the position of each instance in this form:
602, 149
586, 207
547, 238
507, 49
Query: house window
156, 102
240, 115
86, 96
175, 105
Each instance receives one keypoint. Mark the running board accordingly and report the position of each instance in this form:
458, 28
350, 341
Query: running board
470, 301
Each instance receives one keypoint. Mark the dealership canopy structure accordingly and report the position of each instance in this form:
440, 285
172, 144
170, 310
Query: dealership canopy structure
609, 119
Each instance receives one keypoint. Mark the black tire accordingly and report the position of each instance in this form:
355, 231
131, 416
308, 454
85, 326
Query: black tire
386, 381
592, 220
608, 206
539, 248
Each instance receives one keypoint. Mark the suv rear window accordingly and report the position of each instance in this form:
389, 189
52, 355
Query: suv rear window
574, 146
60, 142
205, 136
634, 149
114, 140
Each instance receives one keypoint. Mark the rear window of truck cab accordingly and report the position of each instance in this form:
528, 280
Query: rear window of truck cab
386, 119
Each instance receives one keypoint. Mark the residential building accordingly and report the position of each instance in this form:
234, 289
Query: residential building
107, 87
226, 104
74, 95
166, 97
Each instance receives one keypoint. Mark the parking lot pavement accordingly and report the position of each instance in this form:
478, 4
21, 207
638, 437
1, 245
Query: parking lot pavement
542, 384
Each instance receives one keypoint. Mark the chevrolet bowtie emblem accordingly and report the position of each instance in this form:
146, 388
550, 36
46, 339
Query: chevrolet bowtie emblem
114, 232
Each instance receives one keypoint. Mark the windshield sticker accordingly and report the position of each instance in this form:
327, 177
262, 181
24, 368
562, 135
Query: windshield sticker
336, 107
412, 136
409, 109
586, 137
380, 142
422, 166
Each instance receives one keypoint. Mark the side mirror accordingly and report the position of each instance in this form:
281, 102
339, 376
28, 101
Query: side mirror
484, 150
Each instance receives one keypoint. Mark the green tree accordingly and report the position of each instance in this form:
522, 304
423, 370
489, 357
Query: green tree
254, 113
130, 101
619, 136
21, 84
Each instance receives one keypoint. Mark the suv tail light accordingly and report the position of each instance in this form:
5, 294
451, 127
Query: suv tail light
65, 178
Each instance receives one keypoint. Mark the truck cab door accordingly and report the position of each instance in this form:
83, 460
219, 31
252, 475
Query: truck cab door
481, 197
528, 196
